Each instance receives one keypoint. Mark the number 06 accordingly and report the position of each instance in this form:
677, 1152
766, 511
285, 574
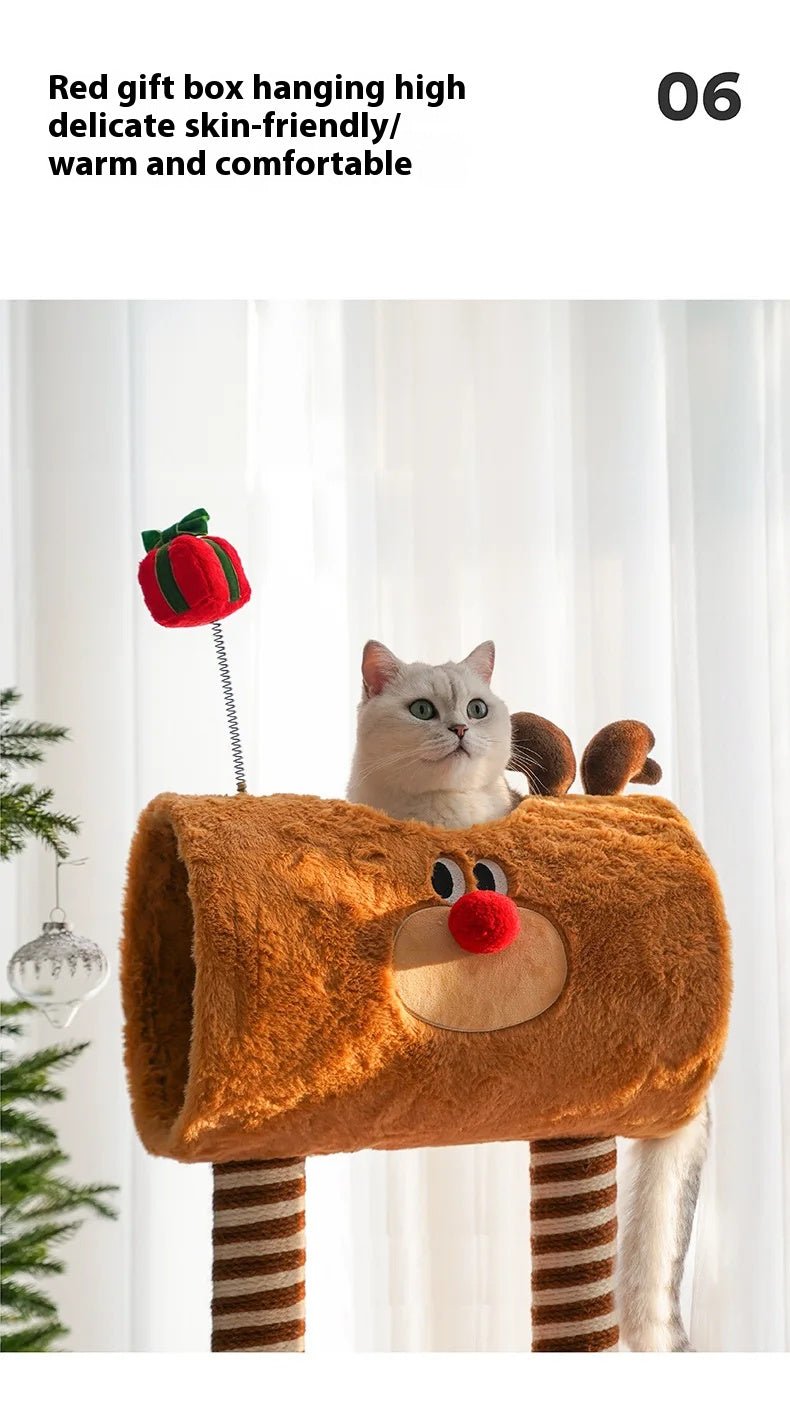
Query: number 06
714, 93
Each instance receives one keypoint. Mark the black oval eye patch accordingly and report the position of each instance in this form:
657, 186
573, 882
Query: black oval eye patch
448, 879
490, 876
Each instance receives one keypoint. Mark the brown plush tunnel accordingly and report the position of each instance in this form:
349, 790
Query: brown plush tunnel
294, 978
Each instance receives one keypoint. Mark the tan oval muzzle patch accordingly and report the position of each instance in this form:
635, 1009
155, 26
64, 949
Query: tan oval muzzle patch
447, 987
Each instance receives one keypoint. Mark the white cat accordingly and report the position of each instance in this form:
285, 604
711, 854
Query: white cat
433, 743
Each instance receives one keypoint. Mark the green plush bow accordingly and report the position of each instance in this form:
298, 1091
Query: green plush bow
194, 523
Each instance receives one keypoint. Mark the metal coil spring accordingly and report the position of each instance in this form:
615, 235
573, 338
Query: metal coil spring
230, 707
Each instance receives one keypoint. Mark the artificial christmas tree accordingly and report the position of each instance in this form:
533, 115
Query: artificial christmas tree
37, 1203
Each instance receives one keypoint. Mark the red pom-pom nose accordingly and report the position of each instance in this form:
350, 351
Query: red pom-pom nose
484, 921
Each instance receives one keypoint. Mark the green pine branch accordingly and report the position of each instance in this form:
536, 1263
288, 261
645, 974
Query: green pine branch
27, 1078
8, 698
23, 734
21, 742
34, 1338
21, 1129
24, 815
23, 1303
31, 1249
23, 1172
30, 1191
10, 1013
25, 809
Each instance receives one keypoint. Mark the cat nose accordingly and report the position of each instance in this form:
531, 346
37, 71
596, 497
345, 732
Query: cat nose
483, 921
459, 729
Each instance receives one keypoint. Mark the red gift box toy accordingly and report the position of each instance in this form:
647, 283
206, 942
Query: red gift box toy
189, 579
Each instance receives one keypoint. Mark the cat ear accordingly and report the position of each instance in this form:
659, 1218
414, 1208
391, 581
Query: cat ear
481, 661
378, 667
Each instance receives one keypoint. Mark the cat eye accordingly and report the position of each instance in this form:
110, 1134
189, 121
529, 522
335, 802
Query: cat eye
490, 876
477, 709
448, 880
422, 709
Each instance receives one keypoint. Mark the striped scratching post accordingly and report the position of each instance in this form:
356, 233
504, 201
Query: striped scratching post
259, 1250
259, 1255
574, 1242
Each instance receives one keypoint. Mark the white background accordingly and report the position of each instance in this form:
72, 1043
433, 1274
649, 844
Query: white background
557, 176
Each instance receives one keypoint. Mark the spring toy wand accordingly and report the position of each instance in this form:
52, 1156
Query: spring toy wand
191, 579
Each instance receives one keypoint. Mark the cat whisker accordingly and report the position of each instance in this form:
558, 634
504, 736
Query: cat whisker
535, 784
519, 748
395, 762
525, 759
525, 753
523, 767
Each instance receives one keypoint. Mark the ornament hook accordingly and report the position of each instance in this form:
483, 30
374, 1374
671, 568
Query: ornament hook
61, 861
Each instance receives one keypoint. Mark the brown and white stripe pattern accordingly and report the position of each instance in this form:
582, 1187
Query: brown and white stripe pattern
574, 1242
259, 1255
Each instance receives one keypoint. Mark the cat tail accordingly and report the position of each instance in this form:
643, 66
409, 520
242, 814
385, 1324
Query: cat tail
660, 1206
666, 1173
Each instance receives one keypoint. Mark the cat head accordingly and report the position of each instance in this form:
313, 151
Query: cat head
433, 728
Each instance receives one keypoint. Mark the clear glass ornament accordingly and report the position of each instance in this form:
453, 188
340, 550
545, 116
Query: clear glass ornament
59, 969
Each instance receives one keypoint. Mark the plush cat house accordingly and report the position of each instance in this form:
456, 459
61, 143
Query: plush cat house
303, 976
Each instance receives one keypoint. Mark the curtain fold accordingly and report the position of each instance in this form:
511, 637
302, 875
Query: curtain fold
600, 487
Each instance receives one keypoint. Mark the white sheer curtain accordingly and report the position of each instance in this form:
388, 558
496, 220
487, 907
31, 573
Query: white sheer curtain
603, 488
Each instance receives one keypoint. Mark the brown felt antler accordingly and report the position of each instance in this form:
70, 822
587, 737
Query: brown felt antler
543, 753
617, 756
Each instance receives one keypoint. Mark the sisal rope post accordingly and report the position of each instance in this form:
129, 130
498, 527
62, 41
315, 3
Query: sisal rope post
574, 1243
259, 1255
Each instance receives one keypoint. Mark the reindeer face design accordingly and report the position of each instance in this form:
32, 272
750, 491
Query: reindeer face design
478, 961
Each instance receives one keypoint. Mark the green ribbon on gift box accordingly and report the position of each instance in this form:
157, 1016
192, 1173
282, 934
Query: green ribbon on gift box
195, 523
